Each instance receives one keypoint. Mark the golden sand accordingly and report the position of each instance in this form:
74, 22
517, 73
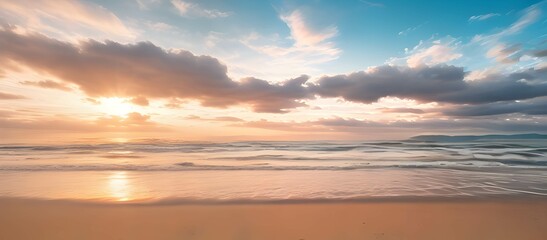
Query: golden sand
496, 220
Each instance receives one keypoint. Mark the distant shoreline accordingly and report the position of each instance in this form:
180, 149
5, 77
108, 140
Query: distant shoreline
464, 138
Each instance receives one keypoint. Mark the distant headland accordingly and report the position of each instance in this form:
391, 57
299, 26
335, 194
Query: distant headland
465, 138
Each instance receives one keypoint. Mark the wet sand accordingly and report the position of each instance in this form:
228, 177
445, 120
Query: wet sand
470, 219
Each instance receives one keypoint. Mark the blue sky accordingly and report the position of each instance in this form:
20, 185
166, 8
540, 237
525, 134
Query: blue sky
368, 33
273, 69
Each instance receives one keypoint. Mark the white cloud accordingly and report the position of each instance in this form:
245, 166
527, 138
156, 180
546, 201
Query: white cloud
305, 48
212, 39
431, 53
194, 10
160, 26
502, 50
531, 15
309, 46
482, 73
483, 17
145, 4
410, 29
372, 4
181, 6
302, 34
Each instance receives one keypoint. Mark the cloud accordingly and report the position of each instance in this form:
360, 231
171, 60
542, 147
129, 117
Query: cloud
48, 84
9, 96
216, 119
402, 110
540, 53
181, 6
111, 69
291, 126
410, 29
430, 52
372, 4
309, 44
63, 17
505, 45
301, 52
228, 119
194, 10
302, 34
531, 15
145, 4
483, 17
504, 54
440, 83
531, 107
174, 103
131, 122
360, 128
92, 101
435, 54
132, 119
140, 100
161, 26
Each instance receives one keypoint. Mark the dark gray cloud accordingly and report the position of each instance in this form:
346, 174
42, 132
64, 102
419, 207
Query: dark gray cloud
402, 110
439, 83
145, 70
532, 107
356, 126
540, 53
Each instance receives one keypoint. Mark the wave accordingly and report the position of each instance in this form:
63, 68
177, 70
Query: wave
273, 156
190, 166
540, 146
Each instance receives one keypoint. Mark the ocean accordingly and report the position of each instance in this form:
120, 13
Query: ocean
156, 170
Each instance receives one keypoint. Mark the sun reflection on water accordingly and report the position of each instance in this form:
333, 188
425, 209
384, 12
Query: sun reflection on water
119, 186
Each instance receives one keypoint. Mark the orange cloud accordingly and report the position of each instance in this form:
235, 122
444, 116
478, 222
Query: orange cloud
63, 16
132, 122
9, 96
48, 84
141, 101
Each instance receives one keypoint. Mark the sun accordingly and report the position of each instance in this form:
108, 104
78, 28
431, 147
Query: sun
116, 106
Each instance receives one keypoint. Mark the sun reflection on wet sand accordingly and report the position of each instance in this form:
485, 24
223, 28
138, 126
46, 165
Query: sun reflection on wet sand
119, 186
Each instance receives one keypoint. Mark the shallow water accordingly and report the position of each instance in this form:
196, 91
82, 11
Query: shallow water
257, 171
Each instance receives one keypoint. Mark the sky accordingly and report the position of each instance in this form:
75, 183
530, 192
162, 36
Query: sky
270, 70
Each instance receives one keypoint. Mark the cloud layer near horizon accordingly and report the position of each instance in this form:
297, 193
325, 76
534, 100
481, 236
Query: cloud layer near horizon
144, 70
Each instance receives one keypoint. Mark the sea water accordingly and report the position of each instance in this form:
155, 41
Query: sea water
156, 170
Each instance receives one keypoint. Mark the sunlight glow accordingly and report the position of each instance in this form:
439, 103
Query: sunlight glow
119, 186
116, 106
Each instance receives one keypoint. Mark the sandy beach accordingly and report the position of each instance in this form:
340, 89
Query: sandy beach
468, 219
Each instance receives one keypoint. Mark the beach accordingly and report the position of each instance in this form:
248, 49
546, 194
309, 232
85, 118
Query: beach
274, 190
403, 219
